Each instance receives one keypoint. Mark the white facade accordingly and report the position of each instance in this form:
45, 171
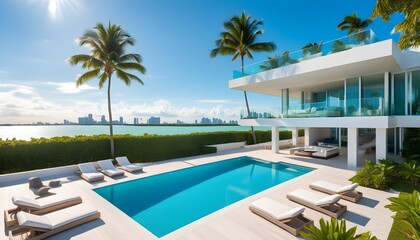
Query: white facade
372, 89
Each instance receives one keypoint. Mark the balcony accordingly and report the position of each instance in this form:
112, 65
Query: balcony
322, 49
369, 107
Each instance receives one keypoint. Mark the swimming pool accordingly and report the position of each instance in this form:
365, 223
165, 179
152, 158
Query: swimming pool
165, 202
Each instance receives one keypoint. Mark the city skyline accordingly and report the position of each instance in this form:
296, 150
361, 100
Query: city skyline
182, 82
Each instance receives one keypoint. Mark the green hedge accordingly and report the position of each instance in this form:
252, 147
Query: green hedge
20, 155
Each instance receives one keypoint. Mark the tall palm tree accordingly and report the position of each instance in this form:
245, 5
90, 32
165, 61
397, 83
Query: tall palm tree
354, 25
108, 56
240, 39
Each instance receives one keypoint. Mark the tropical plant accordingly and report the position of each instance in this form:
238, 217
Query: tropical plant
339, 46
407, 207
391, 166
409, 27
270, 63
410, 171
373, 175
240, 40
108, 56
355, 27
286, 59
312, 48
334, 230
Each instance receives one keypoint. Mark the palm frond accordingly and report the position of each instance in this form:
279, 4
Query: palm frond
87, 76
131, 66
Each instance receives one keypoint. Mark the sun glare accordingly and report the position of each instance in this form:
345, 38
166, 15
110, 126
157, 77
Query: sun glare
52, 8
56, 8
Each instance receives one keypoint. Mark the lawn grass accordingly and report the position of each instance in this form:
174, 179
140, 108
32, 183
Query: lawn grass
399, 227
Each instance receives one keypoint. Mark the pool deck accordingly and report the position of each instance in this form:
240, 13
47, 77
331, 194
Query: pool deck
233, 222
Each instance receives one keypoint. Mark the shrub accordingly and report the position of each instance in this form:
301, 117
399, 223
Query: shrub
410, 171
20, 155
334, 231
374, 175
407, 207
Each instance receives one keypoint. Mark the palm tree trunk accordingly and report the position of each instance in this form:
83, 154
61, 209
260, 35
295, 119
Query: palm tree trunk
254, 138
111, 131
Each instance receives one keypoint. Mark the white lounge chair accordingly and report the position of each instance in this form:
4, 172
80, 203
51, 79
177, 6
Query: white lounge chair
89, 172
288, 218
40, 227
127, 165
347, 192
324, 203
109, 169
39, 206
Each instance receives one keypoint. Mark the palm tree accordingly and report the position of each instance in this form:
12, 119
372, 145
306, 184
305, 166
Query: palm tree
355, 26
286, 59
270, 63
312, 48
108, 56
339, 46
239, 40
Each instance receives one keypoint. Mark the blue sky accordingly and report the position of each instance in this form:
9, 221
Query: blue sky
174, 38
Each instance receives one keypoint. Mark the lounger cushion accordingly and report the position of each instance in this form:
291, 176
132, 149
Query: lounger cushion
332, 187
315, 198
44, 202
93, 176
132, 167
87, 167
275, 209
56, 219
122, 160
113, 172
106, 164
347, 188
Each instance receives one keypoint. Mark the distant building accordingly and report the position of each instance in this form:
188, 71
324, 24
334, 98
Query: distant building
121, 120
103, 120
153, 120
205, 120
136, 121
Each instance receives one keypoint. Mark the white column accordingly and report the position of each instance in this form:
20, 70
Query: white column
275, 139
307, 137
339, 138
380, 144
352, 143
295, 136
386, 94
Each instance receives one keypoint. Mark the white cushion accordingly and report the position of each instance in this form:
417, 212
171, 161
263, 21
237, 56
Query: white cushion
44, 202
328, 199
106, 164
57, 218
93, 176
87, 167
113, 172
275, 209
332, 187
123, 160
131, 167
315, 198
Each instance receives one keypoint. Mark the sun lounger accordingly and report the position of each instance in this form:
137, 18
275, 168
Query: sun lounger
127, 165
109, 169
89, 172
288, 218
327, 204
347, 192
39, 227
39, 206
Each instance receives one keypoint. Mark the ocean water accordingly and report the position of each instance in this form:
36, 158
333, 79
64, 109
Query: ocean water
166, 202
28, 132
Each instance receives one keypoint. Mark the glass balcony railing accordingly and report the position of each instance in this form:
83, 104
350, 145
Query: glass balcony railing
370, 107
309, 52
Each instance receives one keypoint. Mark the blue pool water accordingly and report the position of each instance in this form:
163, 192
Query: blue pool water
165, 202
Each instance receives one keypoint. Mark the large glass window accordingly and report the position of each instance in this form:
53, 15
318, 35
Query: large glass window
399, 94
352, 96
415, 104
372, 95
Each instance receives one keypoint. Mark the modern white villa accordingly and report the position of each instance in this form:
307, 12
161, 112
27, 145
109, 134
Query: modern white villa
359, 91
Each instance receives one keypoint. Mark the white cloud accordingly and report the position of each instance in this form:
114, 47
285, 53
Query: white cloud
70, 87
214, 101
